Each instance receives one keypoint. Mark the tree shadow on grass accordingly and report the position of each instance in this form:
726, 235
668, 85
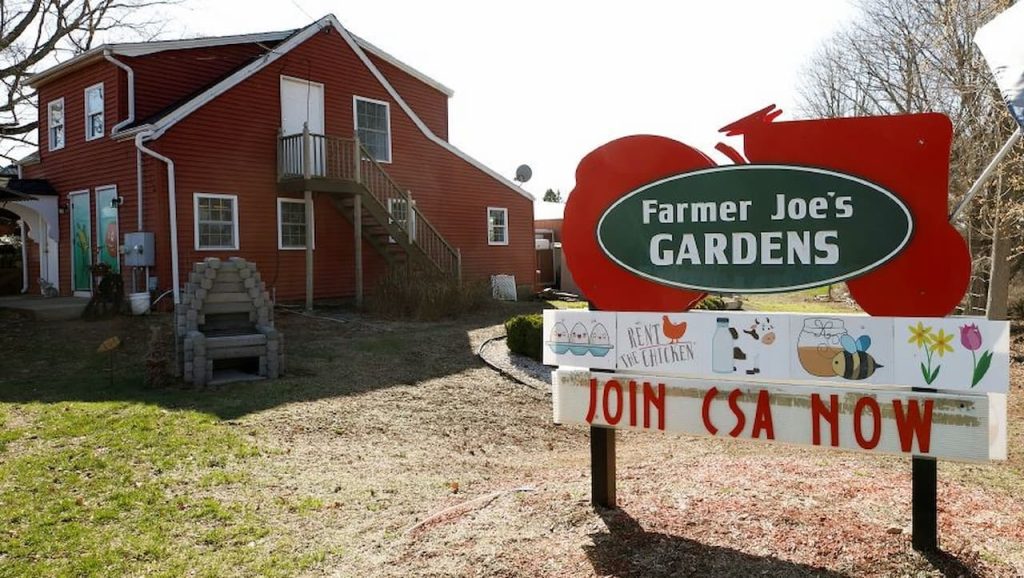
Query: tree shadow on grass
52, 362
629, 551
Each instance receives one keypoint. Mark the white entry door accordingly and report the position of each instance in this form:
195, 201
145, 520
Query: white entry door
302, 101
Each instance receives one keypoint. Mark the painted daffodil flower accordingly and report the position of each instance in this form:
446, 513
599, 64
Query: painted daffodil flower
941, 342
920, 335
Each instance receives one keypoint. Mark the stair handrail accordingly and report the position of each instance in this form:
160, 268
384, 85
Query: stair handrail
413, 214
296, 154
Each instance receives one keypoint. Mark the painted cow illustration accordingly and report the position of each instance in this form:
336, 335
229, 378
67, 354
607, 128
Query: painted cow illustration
750, 343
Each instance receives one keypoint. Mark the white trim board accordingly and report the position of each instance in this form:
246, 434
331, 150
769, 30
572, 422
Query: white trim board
379, 53
135, 49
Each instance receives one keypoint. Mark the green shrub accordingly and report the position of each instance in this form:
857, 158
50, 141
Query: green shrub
425, 296
713, 302
526, 335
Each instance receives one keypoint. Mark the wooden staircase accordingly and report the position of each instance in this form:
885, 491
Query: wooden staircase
387, 214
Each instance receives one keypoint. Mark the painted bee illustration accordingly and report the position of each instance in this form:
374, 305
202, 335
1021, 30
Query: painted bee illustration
855, 362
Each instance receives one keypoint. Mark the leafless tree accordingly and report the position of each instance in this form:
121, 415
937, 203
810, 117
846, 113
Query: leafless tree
35, 34
907, 56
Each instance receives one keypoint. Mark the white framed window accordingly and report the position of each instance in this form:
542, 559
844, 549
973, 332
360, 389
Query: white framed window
398, 212
55, 122
497, 226
291, 224
216, 221
94, 112
373, 125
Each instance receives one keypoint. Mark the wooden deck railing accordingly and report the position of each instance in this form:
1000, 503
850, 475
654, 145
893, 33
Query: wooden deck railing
307, 155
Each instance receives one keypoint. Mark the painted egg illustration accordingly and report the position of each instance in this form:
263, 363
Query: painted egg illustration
579, 334
559, 333
579, 340
599, 336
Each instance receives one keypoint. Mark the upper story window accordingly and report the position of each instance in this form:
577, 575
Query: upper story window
497, 226
373, 125
94, 112
216, 221
55, 121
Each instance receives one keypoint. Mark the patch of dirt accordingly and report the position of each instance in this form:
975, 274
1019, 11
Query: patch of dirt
506, 492
393, 450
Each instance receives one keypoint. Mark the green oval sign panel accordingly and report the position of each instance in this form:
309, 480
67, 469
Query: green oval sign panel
755, 228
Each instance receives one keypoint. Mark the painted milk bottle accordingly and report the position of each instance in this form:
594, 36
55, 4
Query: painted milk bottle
721, 347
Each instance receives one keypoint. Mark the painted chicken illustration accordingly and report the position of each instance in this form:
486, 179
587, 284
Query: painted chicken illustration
673, 331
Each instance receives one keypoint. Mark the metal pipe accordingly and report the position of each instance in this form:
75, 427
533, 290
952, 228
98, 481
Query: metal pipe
131, 92
987, 173
138, 190
24, 257
172, 209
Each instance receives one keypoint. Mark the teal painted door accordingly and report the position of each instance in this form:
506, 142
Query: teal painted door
81, 242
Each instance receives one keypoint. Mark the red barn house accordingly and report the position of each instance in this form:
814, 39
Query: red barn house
311, 152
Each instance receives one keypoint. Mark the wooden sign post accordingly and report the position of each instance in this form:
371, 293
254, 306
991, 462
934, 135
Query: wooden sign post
653, 226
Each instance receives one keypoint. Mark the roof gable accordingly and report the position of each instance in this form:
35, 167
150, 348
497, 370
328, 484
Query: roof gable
166, 122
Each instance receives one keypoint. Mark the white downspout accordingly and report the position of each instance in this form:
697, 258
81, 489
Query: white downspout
24, 258
138, 189
172, 208
127, 121
131, 92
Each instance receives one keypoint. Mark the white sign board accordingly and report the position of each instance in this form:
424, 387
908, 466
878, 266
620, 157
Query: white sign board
953, 354
947, 426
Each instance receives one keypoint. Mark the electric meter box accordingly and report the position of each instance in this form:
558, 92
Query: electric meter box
139, 250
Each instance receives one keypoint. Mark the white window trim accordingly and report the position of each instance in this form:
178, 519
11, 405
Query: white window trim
103, 112
49, 123
410, 216
195, 220
387, 114
505, 211
312, 225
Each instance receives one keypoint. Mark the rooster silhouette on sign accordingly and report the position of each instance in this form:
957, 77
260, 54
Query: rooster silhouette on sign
673, 331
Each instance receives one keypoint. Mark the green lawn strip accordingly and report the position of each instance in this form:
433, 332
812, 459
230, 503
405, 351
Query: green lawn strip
115, 488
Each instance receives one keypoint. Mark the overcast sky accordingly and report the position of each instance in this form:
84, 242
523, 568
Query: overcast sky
546, 82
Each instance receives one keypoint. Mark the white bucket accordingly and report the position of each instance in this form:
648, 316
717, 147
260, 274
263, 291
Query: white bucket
140, 302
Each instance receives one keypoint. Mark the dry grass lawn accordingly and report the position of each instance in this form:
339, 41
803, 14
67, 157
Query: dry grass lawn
390, 450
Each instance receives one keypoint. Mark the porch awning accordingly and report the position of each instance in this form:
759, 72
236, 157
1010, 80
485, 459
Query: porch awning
31, 187
9, 195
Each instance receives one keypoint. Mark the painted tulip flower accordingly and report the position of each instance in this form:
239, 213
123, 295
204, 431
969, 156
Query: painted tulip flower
970, 336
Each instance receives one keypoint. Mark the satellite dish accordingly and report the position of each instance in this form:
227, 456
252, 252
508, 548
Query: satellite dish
523, 173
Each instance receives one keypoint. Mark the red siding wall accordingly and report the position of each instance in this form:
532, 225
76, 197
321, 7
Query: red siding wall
164, 78
216, 150
229, 146
551, 225
428, 103
85, 165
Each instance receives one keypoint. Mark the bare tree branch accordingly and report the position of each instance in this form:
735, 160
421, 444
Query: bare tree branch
36, 34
